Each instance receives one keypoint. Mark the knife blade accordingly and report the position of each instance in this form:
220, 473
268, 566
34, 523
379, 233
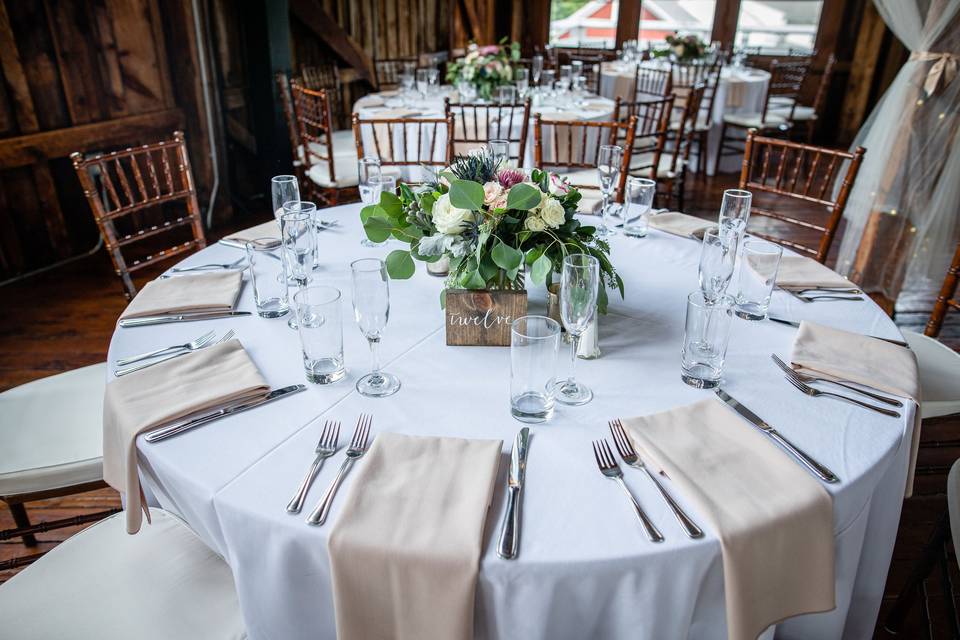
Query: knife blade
236, 244
818, 469
179, 317
510, 530
794, 323
231, 409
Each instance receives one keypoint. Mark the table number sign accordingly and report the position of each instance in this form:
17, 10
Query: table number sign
482, 317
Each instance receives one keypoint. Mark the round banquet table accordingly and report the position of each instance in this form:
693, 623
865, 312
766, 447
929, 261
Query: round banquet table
390, 104
742, 90
585, 568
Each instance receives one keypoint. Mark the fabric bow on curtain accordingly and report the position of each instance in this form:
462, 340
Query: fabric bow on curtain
903, 215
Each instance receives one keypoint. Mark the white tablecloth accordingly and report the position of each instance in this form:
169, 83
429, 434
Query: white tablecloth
585, 568
741, 90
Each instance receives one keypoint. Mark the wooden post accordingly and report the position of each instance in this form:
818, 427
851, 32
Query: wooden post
725, 17
628, 21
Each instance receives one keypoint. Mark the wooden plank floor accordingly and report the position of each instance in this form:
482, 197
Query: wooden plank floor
64, 318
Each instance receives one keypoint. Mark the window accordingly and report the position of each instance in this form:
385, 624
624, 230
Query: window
584, 23
778, 25
661, 18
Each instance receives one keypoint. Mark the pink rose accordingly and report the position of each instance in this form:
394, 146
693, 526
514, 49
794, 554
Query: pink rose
489, 49
491, 192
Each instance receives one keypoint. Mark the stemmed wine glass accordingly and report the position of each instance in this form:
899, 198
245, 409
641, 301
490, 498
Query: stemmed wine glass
718, 256
368, 169
371, 308
579, 284
608, 168
283, 189
521, 78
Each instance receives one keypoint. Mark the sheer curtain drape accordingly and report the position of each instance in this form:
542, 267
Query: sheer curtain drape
903, 216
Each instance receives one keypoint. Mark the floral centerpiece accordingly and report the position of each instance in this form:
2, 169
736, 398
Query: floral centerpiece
485, 68
684, 48
494, 224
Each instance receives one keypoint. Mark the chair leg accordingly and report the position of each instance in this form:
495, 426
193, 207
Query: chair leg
21, 519
723, 138
921, 570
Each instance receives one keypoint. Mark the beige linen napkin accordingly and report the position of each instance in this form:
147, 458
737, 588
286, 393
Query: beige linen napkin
405, 549
797, 272
184, 294
680, 224
269, 229
161, 394
774, 520
863, 359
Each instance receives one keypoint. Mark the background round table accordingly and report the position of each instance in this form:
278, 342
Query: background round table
741, 90
585, 568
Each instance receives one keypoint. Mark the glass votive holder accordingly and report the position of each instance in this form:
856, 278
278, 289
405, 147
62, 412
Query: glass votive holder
759, 263
706, 334
269, 290
534, 344
320, 324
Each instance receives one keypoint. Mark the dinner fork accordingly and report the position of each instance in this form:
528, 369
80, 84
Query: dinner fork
326, 447
208, 267
825, 297
358, 447
810, 391
189, 346
138, 367
609, 468
629, 455
803, 377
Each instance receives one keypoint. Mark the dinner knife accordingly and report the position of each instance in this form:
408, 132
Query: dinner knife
794, 323
236, 244
510, 530
818, 469
180, 317
231, 409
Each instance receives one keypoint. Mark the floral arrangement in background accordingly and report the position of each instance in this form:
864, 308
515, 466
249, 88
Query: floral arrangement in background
495, 225
683, 48
485, 68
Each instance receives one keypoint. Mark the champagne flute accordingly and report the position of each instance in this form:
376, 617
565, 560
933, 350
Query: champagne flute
521, 78
368, 173
423, 82
283, 189
299, 245
371, 308
718, 254
500, 150
608, 168
536, 67
579, 284
735, 210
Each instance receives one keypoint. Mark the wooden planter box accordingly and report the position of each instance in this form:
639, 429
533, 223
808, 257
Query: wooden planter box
480, 317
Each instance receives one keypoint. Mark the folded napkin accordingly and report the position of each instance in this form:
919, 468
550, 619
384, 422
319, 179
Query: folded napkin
836, 353
217, 291
798, 272
774, 520
372, 101
269, 229
680, 224
395, 113
161, 394
405, 550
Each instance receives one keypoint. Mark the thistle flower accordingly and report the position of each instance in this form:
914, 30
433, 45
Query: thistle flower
509, 177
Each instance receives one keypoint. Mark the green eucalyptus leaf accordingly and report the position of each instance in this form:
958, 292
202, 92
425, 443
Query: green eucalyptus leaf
390, 204
369, 211
488, 268
466, 194
505, 257
378, 229
475, 281
522, 196
400, 264
534, 253
541, 267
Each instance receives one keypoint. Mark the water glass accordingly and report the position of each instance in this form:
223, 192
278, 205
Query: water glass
579, 287
423, 82
521, 79
468, 92
608, 169
283, 189
759, 262
565, 77
507, 94
548, 76
368, 174
536, 67
269, 291
705, 337
500, 150
534, 344
576, 69
735, 209
299, 237
433, 80
371, 309
718, 256
639, 203
320, 324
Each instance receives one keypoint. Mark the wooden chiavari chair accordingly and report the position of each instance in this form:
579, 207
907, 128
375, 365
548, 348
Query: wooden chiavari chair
326, 76
786, 78
152, 176
650, 134
475, 124
573, 148
405, 143
328, 161
809, 115
651, 81
389, 70
802, 174
947, 299
591, 69
685, 77
286, 103
672, 171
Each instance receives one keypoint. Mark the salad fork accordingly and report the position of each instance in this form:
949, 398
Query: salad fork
189, 346
208, 267
138, 367
629, 455
810, 391
802, 377
610, 469
358, 447
326, 447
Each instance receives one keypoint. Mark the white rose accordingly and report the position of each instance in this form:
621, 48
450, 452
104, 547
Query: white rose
553, 214
558, 186
500, 202
447, 218
534, 223
491, 192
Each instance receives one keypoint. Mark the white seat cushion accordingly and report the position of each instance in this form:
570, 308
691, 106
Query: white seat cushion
51, 432
752, 120
939, 375
102, 583
344, 163
800, 113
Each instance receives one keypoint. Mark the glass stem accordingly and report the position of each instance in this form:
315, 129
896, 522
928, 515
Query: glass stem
374, 354
573, 359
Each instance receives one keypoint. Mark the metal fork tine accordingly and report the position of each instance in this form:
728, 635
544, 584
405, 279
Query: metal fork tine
797, 384
596, 454
366, 433
335, 436
611, 461
621, 437
616, 439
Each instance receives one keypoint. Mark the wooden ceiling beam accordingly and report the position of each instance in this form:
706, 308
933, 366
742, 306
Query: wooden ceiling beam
312, 14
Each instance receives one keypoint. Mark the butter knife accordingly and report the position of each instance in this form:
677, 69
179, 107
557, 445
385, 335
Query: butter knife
794, 323
231, 409
179, 317
818, 469
510, 530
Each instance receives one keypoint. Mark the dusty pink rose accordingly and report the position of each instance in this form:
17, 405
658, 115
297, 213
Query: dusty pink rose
489, 49
500, 202
491, 191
